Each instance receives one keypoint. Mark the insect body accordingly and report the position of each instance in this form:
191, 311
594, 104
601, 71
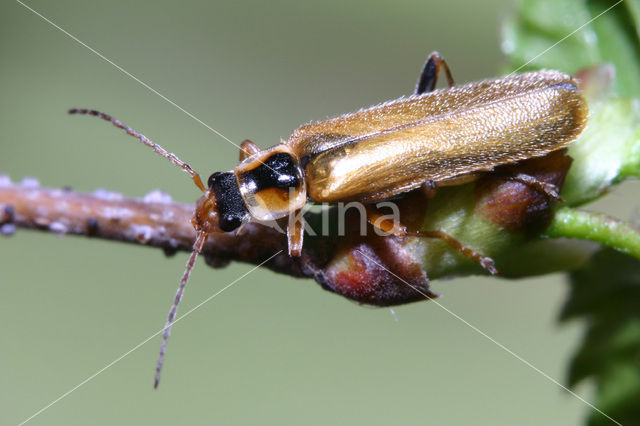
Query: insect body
442, 137
432, 138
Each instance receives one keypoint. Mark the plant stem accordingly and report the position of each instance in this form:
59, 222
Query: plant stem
610, 232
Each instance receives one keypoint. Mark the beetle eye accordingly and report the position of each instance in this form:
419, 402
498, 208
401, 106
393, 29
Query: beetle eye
213, 178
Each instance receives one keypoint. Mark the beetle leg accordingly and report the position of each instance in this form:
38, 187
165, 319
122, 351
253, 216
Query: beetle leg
459, 180
247, 149
429, 74
546, 188
384, 223
295, 234
486, 262
239, 230
399, 230
429, 188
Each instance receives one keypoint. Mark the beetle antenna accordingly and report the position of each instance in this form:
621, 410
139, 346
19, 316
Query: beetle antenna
201, 238
142, 138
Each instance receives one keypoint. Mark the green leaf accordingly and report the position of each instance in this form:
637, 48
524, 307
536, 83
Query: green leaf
606, 293
633, 6
538, 26
607, 152
610, 36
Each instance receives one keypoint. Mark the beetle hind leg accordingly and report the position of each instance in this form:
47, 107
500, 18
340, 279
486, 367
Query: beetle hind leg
392, 227
546, 188
430, 72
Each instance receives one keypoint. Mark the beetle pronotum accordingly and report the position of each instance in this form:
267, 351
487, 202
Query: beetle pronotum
430, 139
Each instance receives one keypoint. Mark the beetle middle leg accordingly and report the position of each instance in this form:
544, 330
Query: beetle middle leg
376, 219
429, 74
429, 188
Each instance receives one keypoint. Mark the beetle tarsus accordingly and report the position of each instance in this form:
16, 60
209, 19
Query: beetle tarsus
488, 264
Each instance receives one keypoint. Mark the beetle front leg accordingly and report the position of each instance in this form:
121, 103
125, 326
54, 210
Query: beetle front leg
247, 149
295, 234
429, 74
389, 226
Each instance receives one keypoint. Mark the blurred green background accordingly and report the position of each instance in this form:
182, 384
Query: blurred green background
271, 349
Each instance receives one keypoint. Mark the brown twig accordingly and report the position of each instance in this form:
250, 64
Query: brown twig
154, 221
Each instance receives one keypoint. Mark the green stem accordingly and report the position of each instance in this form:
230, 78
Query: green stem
571, 223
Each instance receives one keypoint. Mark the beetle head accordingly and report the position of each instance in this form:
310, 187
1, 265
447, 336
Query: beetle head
205, 218
221, 208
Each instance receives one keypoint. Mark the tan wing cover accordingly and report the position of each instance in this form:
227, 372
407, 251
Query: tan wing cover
396, 146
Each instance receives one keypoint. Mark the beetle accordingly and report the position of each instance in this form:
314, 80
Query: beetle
430, 139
